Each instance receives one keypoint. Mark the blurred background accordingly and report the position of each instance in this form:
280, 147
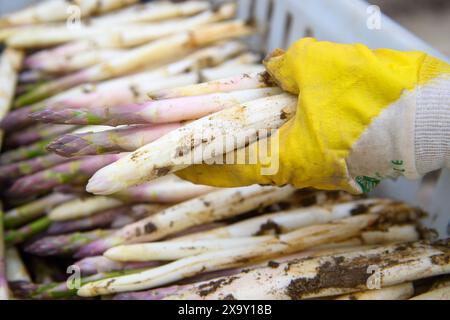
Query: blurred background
428, 19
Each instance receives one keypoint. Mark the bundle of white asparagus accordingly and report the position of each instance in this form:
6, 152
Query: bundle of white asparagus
97, 118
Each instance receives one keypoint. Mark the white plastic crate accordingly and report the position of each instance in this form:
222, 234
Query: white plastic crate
281, 22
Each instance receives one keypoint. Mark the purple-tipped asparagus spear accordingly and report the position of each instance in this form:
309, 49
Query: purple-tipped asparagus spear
119, 91
78, 171
64, 244
112, 218
19, 118
241, 82
162, 111
18, 169
36, 133
101, 264
99, 246
109, 141
100, 220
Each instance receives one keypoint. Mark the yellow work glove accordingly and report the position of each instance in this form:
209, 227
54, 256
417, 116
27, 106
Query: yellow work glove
363, 115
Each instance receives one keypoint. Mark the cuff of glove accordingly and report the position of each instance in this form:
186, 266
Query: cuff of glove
432, 126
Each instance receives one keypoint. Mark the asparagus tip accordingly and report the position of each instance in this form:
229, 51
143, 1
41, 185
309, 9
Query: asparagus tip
99, 185
61, 116
94, 248
40, 248
67, 146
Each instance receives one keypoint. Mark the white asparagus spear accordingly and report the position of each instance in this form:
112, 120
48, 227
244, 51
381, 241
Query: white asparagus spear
300, 239
15, 268
114, 35
245, 63
244, 58
393, 234
153, 11
221, 72
286, 221
169, 189
65, 51
205, 57
215, 206
195, 244
95, 7
281, 222
58, 10
155, 52
10, 63
435, 294
77, 62
42, 36
135, 35
83, 207
327, 275
219, 134
158, 50
240, 82
161, 251
211, 207
43, 12
398, 292
321, 250
178, 248
406, 232
9, 31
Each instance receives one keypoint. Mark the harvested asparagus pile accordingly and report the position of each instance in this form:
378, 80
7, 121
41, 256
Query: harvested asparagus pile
98, 118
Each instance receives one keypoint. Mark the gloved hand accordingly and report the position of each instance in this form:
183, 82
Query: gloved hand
363, 115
